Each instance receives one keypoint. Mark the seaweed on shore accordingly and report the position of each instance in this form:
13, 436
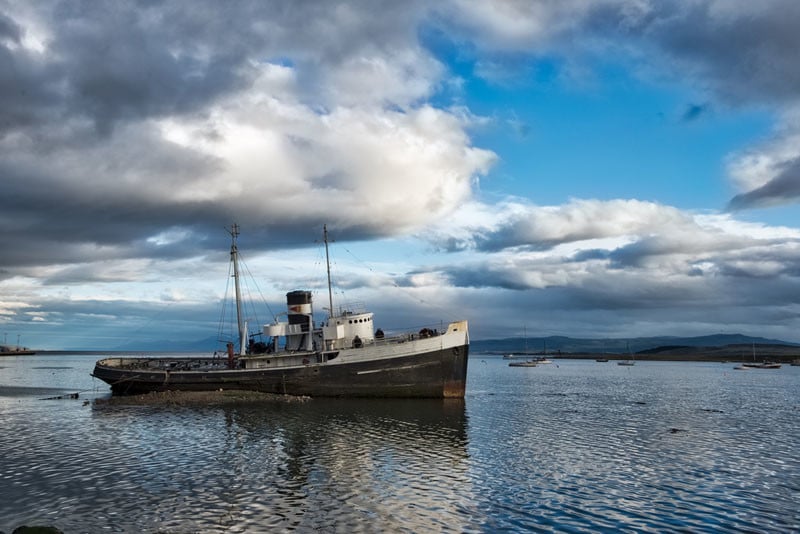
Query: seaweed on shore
198, 398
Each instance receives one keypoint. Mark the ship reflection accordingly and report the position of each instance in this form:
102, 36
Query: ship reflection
394, 463
320, 464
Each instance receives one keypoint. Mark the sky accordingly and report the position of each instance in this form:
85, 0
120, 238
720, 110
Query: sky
608, 168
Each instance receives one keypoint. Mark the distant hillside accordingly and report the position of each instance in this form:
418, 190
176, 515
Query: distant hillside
619, 345
720, 346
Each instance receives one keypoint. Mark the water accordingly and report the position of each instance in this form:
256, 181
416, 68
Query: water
575, 446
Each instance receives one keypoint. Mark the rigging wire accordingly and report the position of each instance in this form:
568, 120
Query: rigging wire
444, 311
221, 334
249, 302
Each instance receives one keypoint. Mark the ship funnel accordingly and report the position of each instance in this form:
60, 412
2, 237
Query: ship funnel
301, 320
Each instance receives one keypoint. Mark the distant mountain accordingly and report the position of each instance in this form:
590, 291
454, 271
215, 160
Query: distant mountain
616, 345
517, 344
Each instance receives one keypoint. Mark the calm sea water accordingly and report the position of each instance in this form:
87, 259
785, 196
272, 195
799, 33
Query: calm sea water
576, 446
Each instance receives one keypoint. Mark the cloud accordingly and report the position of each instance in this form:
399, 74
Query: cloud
769, 174
742, 51
782, 189
132, 134
738, 54
517, 225
128, 120
644, 256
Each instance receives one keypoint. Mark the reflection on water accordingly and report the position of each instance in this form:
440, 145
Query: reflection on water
578, 446
278, 465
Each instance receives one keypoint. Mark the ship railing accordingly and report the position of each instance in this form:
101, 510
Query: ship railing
422, 332
176, 363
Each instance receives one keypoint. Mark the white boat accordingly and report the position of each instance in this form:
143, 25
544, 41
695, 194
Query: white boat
530, 362
543, 359
757, 365
631, 360
343, 356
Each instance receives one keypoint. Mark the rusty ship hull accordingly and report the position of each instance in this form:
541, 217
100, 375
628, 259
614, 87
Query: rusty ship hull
434, 373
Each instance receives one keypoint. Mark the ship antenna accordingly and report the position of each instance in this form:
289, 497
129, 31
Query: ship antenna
234, 231
328, 264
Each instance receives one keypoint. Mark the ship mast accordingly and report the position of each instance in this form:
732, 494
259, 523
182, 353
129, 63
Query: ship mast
328, 264
234, 231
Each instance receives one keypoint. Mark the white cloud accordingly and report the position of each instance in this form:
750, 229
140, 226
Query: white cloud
370, 166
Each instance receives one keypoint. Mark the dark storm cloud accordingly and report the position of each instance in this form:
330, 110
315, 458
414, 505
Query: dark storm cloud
782, 189
744, 51
656, 288
120, 61
9, 30
111, 62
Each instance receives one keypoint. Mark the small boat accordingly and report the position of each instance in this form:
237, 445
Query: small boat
526, 363
631, 361
543, 359
761, 365
757, 365
795, 362
602, 360
341, 357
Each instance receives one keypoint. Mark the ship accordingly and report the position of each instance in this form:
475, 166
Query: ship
341, 356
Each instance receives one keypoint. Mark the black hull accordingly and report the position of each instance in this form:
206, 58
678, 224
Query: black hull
439, 373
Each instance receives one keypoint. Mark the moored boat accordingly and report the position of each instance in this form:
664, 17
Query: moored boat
526, 363
340, 357
757, 365
631, 361
761, 365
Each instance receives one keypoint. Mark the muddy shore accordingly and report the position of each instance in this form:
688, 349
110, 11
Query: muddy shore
204, 398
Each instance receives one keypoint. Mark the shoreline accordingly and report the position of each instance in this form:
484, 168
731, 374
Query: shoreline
219, 397
666, 357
